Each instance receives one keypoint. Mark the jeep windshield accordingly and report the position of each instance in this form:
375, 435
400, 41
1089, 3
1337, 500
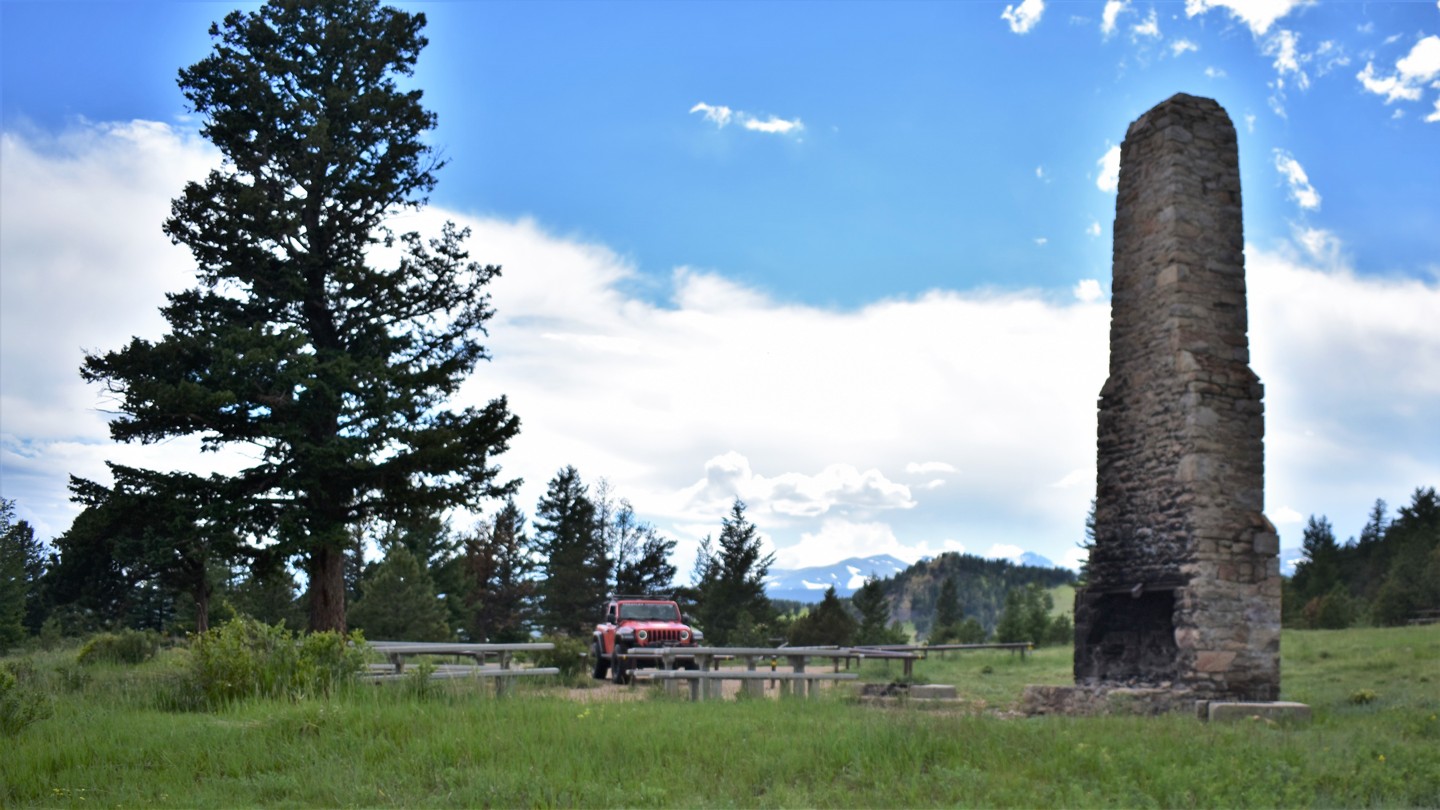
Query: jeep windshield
639, 611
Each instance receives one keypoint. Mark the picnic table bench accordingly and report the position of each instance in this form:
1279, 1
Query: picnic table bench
502, 673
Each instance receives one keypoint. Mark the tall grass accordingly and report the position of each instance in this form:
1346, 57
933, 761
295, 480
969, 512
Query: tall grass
459, 745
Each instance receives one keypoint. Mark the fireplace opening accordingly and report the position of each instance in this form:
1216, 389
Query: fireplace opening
1131, 638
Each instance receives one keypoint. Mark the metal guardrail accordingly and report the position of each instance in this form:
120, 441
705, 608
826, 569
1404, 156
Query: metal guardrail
1022, 647
503, 673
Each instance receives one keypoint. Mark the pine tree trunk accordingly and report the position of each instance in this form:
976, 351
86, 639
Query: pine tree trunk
327, 589
202, 610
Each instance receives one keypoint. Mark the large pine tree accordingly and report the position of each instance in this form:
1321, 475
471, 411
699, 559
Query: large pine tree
731, 582
496, 582
317, 337
576, 567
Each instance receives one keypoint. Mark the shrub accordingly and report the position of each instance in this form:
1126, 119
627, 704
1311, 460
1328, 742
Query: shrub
568, 656
245, 658
124, 647
1333, 611
20, 703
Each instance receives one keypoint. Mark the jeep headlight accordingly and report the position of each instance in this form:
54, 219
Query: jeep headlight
684, 635
642, 635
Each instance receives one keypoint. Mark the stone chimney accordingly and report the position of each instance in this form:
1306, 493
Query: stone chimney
1184, 583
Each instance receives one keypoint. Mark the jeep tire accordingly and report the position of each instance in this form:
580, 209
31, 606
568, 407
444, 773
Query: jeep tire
618, 668
602, 664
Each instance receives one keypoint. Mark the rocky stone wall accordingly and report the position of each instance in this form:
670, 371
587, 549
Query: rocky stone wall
1179, 515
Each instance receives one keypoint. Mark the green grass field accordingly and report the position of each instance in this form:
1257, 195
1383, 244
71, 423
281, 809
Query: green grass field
111, 742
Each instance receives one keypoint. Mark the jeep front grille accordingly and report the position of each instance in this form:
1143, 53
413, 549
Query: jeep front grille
662, 637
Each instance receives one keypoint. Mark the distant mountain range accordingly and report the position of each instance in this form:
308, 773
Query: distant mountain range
809, 584
846, 576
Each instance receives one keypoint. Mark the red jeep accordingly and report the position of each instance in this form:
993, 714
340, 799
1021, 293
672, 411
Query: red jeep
640, 621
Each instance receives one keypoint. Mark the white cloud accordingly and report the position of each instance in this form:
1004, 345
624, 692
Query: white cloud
1294, 175
1150, 28
837, 539
1412, 71
1109, 163
1351, 367
838, 487
1025, 16
720, 390
1094, 229
1434, 116
1328, 56
1041, 241
723, 116
1004, 551
1113, 8
1259, 15
1250, 122
1182, 45
1214, 73
773, 125
719, 115
1284, 46
1321, 246
1085, 476
1088, 291
1286, 516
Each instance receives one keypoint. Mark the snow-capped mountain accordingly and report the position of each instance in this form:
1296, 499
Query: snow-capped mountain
1031, 558
809, 584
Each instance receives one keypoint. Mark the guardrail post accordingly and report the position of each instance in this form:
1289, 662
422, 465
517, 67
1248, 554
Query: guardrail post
753, 687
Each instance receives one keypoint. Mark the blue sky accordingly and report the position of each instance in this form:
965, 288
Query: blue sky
847, 261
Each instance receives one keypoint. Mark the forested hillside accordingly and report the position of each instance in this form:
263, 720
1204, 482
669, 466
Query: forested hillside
981, 585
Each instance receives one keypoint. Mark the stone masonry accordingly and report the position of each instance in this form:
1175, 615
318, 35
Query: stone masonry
1184, 582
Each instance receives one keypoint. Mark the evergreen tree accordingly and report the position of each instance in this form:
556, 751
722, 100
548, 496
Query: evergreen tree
1027, 616
334, 371
946, 625
1319, 572
21, 567
1413, 545
1376, 525
733, 606
576, 567
496, 567
159, 531
397, 601
970, 632
827, 624
88, 583
1088, 544
874, 608
639, 555
266, 591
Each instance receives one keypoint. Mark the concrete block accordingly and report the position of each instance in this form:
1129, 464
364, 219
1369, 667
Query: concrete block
1278, 711
932, 691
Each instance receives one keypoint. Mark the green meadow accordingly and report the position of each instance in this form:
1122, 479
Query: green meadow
116, 737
